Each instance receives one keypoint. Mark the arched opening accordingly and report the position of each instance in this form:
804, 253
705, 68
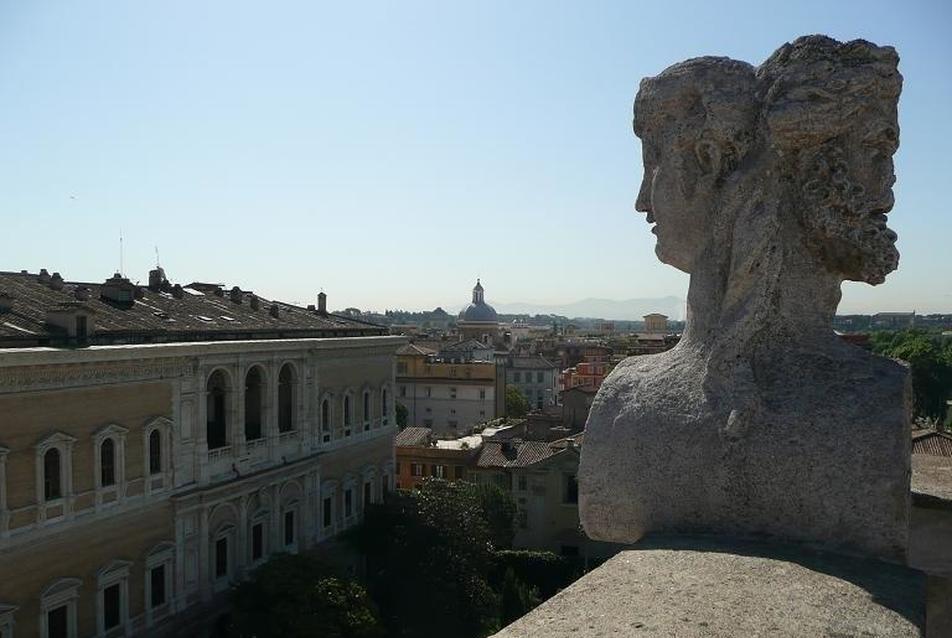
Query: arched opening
52, 481
286, 398
155, 452
254, 405
107, 463
216, 426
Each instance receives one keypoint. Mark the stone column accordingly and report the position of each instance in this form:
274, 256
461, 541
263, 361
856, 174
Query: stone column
204, 573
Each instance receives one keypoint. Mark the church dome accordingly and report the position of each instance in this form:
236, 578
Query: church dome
479, 310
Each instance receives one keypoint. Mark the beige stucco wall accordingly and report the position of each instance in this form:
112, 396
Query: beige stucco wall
80, 551
29, 417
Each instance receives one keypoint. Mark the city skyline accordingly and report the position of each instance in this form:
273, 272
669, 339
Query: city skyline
305, 148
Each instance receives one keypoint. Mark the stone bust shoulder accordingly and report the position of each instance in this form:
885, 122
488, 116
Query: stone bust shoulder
770, 186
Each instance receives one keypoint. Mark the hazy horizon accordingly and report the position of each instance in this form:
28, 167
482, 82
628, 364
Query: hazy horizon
389, 154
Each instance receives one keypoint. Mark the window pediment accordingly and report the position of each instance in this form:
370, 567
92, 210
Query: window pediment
115, 570
62, 586
55, 438
113, 429
159, 421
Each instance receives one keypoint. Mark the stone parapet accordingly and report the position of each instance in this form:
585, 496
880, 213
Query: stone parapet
694, 588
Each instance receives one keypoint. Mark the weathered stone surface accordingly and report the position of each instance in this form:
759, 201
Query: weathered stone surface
700, 590
770, 186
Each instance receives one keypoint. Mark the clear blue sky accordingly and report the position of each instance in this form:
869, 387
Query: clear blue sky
391, 152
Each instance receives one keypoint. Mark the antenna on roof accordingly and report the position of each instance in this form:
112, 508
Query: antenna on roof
120, 250
157, 264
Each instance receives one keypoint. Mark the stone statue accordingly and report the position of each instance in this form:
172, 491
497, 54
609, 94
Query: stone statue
770, 186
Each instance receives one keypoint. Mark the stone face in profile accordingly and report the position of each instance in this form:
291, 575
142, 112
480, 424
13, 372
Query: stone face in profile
770, 186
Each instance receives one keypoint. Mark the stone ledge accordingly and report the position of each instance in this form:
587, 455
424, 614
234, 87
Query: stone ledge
699, 588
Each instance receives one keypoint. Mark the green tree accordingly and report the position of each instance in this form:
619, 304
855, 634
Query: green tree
516, 403
298, 596
402, 415
517, 598
930, 360
429, 557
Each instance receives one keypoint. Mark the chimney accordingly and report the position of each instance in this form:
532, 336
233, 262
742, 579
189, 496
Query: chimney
81, 293
56, 281
311, 307
44, 276
322, 303
177, 292
156, 278
235, 294
119, 289
219, 292
6, 301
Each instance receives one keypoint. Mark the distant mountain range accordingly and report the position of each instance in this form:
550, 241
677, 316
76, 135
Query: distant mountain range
626, 310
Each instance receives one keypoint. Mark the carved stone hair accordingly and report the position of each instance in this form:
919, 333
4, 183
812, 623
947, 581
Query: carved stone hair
718, 103
830, 111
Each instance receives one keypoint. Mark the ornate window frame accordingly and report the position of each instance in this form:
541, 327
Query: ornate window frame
161, 481
7, 621
329, 490
326, 426
64, 444
115, 573
368, 477
64, 591
293, 507
347, 413
366, 408
162, 555
225, 531
386, 401
349, 484
260, 517
117, 434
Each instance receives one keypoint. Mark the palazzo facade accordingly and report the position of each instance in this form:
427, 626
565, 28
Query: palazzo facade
138, 482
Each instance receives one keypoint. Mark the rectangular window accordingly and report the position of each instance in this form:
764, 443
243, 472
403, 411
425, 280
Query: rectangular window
429, 392
439, 471
157, 585
570, 489
348, 503
482, 394
459, 472
57, 622
221, 558
416, 469
517, 377
110, 607
289, 528
540, 376
327, 511
452, 393
257, 541
368, 493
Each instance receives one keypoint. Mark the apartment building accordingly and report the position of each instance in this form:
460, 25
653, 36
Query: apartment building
159, 442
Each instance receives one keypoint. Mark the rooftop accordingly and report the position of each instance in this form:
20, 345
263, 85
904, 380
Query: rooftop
166, 313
